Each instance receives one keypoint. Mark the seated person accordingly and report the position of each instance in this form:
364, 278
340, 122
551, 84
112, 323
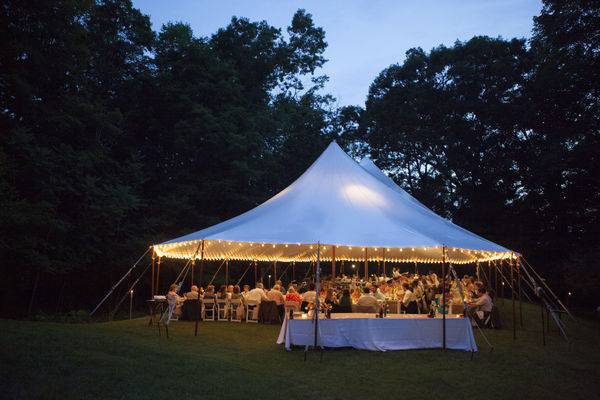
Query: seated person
310, 296
257, 294
292, 295
378, 294
344, 304
275, 295
482, 303
368, 300
210, 292
193, 294
174, 299
236, 295
409, 300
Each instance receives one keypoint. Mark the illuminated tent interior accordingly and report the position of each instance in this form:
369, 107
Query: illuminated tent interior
353, 212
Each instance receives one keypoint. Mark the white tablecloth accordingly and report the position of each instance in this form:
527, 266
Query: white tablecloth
396, 332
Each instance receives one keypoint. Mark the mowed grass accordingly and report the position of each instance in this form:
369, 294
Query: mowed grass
128, 360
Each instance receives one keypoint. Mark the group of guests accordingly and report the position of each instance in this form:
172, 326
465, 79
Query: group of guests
415, 293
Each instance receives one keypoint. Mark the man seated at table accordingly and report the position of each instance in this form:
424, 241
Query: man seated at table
378, 294
368, 300
482, 303
257, 294
275, 295
193, 294
310, 296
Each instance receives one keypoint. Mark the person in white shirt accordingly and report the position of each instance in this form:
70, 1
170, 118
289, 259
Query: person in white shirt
368, 300
257, 294
379, 295
409, 300
193, 294
275, 295
310, 296
483, 303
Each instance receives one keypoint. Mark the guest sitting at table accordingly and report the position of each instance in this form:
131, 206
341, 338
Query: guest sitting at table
210, 292
483, 303
246, 291
236, 295
292, 295
367, 299
409, 300
310, 296
355, 295
222, 294
275, 295
344, 304
174, 299
378, 294
257, 294
229, 291
193, 294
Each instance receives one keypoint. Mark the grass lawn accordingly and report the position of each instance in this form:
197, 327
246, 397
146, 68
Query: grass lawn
127, 360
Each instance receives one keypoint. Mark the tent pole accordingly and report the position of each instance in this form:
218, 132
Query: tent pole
520, 291
199, 300
255, 274
275, 270
152, 285
512, 294
158, 275
293, 270
416, 268
477, 272
443, 298
333, 263
318, 290
366, 265
226, 271
383, 259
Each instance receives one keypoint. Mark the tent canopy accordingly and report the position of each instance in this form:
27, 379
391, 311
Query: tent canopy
353, 212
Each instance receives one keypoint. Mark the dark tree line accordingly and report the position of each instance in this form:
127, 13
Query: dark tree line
113, 136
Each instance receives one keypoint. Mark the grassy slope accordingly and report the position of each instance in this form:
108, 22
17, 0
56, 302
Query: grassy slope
128, 360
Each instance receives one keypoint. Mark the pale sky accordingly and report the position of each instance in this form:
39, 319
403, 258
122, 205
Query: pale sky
364, 36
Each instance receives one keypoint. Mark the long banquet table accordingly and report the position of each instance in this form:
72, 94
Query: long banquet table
395, 332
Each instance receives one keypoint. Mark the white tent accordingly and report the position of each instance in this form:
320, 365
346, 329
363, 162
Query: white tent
352, 212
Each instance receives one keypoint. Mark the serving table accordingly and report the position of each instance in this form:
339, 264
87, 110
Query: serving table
365, 332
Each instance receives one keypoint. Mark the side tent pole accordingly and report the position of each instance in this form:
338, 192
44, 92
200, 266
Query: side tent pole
158, 276
366, 265
255, 274
383, 259
518, 261
444, 298
152, 292
293, 270
199, 300
192, 272
333, 263
274, 271
512, 294
227, 272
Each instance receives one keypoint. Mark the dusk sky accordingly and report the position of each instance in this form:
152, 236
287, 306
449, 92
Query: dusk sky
364, 36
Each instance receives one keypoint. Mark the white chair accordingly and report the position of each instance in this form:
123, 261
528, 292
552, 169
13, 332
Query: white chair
222, 313
251, 306
208, 309
234, 310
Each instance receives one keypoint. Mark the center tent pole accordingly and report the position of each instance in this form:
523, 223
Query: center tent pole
444, 298
333, 264
318, 290
152, 290
192, 274
275, 270
255, 274
199, 300
158, 275
366, 265
512, 295
520, 291
293, 271
383, 259
227, 272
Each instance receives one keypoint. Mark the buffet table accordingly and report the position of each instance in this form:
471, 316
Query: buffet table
395, 332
